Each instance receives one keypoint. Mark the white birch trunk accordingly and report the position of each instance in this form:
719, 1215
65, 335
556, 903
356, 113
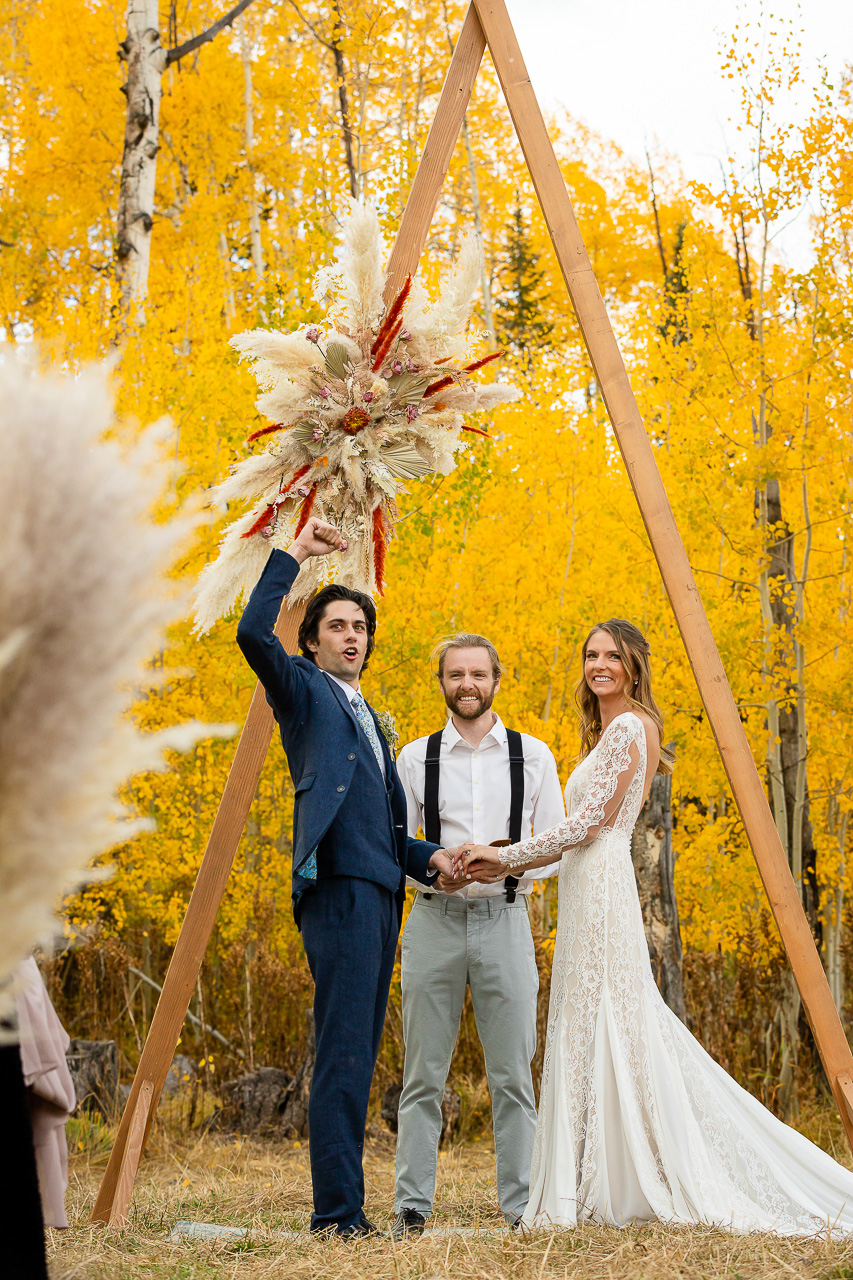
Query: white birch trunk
254, 207
774, 741
833, 906
230, 304
146, 62
802, 734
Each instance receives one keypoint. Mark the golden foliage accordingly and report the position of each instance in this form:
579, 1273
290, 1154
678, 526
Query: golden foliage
741, 365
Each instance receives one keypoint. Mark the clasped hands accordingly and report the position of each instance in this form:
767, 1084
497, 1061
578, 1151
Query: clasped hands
471, 862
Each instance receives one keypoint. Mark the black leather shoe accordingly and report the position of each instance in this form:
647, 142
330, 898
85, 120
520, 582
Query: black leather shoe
409, 1223
359, 1230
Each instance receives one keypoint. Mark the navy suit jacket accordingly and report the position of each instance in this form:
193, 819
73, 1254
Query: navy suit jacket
322, 739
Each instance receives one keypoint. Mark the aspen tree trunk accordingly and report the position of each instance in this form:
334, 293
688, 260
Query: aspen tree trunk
782, 602
404, 79
774, 592
230, 301
781, 592
654, 868
833, 907
335, 46
254, 207
834, 902
146, 62
343, 99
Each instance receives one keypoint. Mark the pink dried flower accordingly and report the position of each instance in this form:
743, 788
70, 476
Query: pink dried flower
324, 393
267, 531
304, 490
404, 335
344, 545
411, 412
312, 333
387, 373
397, 367
317, 435
367, 397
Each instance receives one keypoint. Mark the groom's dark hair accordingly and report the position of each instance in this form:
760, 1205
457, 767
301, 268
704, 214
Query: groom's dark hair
309, 628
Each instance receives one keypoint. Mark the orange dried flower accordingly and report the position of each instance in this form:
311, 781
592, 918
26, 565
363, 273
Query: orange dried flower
355, 420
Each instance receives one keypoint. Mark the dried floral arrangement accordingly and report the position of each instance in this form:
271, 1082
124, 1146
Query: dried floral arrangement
358, 406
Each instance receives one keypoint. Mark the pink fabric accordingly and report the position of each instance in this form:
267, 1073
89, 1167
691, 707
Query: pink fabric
43, 1042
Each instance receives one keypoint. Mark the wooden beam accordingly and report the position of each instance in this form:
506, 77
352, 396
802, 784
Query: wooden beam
132, 1153
185, 965
669, 550
845, 1085
437, 154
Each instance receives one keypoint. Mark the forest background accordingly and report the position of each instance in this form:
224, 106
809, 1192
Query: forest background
742, 369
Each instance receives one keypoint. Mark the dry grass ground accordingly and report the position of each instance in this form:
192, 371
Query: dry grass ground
267, 1188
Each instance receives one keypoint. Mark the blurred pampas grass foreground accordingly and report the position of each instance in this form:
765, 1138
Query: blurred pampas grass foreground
85, 596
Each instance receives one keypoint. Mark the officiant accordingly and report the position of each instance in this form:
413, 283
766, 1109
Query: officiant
473, 780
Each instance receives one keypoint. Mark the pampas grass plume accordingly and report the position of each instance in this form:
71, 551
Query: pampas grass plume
85, 596
363, 273
450, 314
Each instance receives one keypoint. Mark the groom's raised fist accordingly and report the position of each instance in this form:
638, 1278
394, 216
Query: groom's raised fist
317, 539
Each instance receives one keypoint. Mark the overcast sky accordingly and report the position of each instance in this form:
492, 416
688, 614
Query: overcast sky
638, 72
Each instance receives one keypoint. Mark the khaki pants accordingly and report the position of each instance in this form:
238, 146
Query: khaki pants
487, 944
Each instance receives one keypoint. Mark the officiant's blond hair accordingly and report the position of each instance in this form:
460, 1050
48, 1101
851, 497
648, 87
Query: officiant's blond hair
465, 640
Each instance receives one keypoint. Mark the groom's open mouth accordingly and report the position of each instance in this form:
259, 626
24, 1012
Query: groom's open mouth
350, 653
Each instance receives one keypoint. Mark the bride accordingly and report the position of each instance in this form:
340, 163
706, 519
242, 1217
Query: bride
636, 1121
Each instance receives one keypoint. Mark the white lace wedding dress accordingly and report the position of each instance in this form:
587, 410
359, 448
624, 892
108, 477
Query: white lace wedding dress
636, 1121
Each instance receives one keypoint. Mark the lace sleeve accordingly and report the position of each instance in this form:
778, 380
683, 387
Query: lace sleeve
617, 759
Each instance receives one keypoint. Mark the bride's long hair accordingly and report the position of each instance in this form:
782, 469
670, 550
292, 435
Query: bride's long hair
633, 648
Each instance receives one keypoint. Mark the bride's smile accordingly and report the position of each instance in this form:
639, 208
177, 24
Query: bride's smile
604, 672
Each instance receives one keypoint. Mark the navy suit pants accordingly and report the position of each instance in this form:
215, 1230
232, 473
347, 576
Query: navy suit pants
349, 929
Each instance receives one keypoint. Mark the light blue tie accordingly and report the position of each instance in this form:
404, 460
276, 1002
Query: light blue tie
365, 719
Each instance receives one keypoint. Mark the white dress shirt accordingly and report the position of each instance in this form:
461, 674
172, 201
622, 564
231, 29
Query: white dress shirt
351, 693
474, 795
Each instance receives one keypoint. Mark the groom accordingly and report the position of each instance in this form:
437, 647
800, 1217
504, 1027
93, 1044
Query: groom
351, 854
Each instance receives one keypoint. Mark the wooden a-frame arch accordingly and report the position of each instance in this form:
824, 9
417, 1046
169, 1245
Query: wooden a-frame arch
487, 23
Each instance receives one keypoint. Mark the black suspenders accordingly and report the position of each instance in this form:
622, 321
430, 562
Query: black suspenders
432, 822
516, 799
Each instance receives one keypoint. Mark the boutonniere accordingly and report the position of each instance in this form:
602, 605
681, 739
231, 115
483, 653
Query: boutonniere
389, 731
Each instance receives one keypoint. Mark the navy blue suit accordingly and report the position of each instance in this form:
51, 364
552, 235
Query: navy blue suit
351, 855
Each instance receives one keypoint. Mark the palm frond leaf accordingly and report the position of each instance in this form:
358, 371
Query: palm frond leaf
338, 361
404, 462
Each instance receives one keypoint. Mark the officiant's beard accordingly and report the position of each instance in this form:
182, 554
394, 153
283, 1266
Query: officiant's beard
470, 710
